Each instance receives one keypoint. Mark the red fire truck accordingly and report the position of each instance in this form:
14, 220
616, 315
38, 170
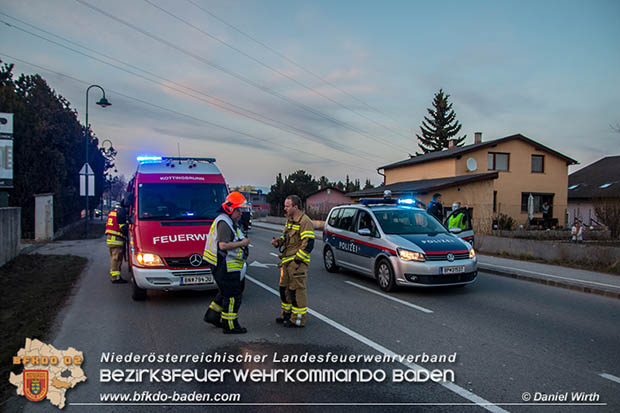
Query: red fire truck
172, 202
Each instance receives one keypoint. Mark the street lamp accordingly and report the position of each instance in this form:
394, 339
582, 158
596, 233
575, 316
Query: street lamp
104, 103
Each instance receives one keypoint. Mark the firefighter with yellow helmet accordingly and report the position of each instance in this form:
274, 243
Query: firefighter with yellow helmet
226, 250
116, 236
296, 244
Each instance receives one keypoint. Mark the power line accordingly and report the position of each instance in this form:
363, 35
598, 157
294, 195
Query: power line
295, 63
236, 75
222, 103
262, 63
184, 114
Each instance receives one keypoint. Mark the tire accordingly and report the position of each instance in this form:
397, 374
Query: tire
385, 275
137, 293
329, 260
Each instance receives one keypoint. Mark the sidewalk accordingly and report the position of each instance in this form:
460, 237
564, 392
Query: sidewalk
564, 277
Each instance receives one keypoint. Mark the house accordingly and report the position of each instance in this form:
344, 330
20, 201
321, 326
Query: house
599, 181
319, 203
492, 177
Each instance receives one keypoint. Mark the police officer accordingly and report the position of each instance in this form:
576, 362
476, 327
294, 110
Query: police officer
435, 208
295, 244
116, 235
458, 217
226, 249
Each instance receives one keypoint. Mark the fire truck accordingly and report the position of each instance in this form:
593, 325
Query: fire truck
172, 204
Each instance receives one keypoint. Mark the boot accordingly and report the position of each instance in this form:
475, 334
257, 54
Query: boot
284, 319
237, 329
213, 317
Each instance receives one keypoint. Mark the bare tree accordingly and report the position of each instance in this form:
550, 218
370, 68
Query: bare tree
608, 212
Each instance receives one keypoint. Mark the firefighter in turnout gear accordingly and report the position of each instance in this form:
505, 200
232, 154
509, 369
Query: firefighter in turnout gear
116, 236
296, 244
226, 250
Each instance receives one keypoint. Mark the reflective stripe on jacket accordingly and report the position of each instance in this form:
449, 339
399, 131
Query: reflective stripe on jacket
112, 226
298, 239
234, 258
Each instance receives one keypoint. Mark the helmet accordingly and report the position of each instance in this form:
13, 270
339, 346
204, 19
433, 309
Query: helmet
234, 200
456, 206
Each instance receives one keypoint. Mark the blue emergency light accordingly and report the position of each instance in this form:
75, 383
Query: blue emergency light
149, 158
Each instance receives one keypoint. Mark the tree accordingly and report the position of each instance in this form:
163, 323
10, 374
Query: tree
440, 127
608, 211
368, 184
324, 182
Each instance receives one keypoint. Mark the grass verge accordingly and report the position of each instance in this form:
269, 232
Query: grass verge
608, 269
34, 288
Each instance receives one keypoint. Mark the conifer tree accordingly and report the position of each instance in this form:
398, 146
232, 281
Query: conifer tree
441, 126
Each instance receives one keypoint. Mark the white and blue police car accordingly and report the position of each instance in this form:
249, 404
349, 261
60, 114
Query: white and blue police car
396, 243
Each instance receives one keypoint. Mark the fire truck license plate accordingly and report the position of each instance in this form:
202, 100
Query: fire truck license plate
198, 279
452, 270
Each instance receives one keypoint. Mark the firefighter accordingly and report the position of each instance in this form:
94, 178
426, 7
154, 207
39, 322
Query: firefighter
295, 245
116, 235
458, 217
226, 250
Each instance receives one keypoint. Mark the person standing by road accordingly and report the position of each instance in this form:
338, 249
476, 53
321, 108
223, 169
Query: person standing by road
116, 235
435, 208
296, 244
577, 232
226, 250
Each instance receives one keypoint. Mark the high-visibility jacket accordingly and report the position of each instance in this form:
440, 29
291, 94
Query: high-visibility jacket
297, 239
234, 258
457, 221
114, 229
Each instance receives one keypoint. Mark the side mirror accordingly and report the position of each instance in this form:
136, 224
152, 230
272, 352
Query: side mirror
455, 230
364, 232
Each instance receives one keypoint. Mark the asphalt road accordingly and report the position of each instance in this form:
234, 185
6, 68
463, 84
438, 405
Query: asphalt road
510, 337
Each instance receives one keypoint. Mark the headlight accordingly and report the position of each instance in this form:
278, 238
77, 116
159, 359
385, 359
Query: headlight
472, 254
407, 255
148, 259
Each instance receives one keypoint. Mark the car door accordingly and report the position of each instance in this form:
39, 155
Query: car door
365, 250
345, 238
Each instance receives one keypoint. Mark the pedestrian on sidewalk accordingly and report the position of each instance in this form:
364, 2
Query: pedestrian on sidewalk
226, 250
577, 233
296, 244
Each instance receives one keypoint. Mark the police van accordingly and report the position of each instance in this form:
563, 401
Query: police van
396, 243
172, 203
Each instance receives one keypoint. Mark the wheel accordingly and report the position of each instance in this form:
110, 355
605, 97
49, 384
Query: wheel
329, 260
385, 276
137, 293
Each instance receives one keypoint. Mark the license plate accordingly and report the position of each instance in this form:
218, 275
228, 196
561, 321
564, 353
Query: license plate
452, 270
198, 279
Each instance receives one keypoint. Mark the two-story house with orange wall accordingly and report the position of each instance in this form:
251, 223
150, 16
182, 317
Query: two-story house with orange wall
492, 177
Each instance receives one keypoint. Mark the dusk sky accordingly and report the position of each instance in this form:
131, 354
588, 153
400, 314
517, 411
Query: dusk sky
331, 87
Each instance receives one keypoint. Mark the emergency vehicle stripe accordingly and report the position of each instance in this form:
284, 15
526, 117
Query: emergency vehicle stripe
393, 252
215, 307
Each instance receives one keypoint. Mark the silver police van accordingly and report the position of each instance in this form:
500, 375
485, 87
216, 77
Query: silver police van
396, 243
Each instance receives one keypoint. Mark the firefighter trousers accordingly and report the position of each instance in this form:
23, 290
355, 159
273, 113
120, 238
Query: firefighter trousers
294, 301
116, 259
224, 309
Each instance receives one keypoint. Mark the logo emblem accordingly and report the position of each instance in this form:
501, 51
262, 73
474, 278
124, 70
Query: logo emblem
450, 257
36, 384
195, 260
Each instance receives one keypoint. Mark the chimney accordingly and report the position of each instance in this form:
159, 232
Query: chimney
451, 144
477, 137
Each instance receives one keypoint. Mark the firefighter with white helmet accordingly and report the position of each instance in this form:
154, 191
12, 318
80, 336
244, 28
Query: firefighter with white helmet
226, 250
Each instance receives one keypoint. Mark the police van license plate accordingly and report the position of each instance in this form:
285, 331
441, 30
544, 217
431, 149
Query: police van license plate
197, 279
452, 270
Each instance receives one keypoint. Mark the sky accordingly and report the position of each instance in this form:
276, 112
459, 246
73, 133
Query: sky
335, 88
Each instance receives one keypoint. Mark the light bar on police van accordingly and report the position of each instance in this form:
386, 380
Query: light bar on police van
376, 201
148, 158
407, 201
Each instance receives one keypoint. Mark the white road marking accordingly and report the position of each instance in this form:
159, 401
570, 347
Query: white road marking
274, 254
251, 245
403, 302
610, 377
553, 276
448, 385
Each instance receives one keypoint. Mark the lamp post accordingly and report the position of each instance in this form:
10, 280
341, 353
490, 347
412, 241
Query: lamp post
103, 102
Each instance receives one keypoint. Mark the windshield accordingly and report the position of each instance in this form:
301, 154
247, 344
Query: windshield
407, 221
179, 201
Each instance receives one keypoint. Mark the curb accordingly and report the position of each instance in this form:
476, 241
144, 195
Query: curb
516, 275
552, 283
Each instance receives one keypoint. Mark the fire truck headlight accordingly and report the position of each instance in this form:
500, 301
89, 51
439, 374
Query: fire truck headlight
148, 259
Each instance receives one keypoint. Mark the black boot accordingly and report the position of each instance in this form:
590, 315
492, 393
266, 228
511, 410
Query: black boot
237, 329
283, 320
213, 317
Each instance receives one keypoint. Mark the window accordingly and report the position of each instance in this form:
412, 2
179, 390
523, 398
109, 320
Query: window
366, 221
498, 161
408, 221
539, 200
345, 219
538, 164
333, 218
